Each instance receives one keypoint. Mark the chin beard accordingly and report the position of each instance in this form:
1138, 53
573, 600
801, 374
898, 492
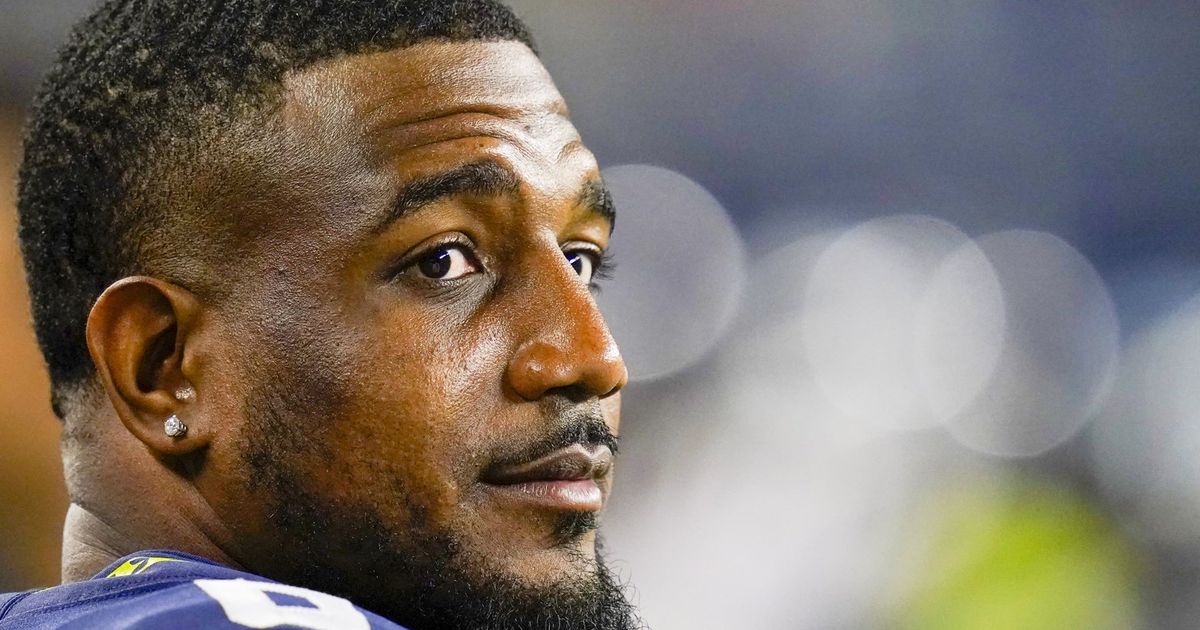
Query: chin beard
415, 574
592, 599
431, 582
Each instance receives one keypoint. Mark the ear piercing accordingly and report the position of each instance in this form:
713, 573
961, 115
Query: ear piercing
174, 427
185, 393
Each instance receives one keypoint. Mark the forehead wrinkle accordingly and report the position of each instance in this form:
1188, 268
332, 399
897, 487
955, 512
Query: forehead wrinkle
516, 128
544, 143
378, 119
571, 147
412, 105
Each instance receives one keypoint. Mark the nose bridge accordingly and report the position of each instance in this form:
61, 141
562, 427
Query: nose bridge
565, 344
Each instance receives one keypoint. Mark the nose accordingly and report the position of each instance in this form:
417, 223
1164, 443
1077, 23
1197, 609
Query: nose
570, 350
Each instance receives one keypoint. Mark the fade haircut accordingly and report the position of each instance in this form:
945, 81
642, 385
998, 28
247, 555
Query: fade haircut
135, 89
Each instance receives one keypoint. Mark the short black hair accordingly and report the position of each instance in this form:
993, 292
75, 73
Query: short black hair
132, 80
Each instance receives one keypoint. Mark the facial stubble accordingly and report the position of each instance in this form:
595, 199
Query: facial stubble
418, 573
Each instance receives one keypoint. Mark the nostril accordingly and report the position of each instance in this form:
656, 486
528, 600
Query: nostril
622, 380
574, 393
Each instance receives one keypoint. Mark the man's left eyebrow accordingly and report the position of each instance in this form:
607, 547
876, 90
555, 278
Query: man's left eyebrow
487, 177
595, 198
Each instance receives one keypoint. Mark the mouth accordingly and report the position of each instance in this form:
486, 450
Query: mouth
568, 479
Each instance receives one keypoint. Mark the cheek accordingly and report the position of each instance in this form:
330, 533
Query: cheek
421, 403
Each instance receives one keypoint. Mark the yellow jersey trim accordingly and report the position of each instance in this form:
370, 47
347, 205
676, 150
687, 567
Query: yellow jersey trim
135, 566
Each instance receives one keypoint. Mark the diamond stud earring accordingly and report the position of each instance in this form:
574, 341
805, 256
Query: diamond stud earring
174, 427
185, 394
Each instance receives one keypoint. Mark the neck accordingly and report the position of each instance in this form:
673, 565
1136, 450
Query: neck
101, 527
90, 544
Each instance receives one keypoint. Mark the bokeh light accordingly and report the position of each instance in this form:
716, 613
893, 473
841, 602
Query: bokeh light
679, 270
1061, 348
898, 309
1147, 441
1009, 552
765, 486
960, 320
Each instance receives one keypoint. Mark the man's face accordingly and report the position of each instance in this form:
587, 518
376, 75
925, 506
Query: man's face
422, 388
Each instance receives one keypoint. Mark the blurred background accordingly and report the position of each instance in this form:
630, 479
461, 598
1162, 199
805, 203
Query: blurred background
909, 291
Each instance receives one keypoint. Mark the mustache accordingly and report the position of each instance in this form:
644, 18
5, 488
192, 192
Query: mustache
580, 425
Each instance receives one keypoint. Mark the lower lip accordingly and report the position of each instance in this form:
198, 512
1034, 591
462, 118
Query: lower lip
580, 495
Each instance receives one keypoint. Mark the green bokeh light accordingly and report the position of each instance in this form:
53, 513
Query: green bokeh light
1019, 556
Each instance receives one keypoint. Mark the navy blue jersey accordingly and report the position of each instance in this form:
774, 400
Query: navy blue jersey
168, 589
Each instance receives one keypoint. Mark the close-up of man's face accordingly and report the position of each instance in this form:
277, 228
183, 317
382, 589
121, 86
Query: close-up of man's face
421, 389
318, 314
318, 281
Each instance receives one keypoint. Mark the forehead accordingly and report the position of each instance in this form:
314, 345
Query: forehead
391, 102
411, 84
361, 126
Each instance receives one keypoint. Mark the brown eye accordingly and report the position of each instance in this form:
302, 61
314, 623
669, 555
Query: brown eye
583, 262
447, 262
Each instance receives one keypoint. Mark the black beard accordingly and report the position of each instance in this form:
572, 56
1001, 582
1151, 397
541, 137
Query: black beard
423, 580
595, 601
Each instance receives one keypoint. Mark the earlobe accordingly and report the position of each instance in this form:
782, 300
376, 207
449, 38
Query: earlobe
138, 334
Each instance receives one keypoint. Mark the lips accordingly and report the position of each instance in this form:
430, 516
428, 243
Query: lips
573, 463
564, 479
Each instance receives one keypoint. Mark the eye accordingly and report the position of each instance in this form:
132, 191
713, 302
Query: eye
446, 262
584, 262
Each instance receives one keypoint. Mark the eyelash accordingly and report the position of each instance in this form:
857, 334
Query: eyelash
604, 268
409, 263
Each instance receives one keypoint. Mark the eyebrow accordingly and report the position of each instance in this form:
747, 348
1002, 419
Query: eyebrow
486, 177
596, 198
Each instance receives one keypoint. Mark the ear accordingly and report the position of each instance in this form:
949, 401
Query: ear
137, 333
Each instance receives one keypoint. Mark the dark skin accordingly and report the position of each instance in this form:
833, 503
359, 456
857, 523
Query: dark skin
406, 303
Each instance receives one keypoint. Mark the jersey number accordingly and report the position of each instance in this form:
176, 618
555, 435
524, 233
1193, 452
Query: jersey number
245, 602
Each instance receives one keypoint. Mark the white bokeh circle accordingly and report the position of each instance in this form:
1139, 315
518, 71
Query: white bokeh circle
960, 322
897, 311
1144, 444
1061, 348
680, 270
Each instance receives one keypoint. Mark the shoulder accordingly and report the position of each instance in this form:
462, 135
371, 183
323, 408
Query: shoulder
176, 591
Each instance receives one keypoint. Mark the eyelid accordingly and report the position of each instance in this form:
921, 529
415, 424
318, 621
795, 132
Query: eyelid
411, 258
573, 246
602, 262
595, 251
